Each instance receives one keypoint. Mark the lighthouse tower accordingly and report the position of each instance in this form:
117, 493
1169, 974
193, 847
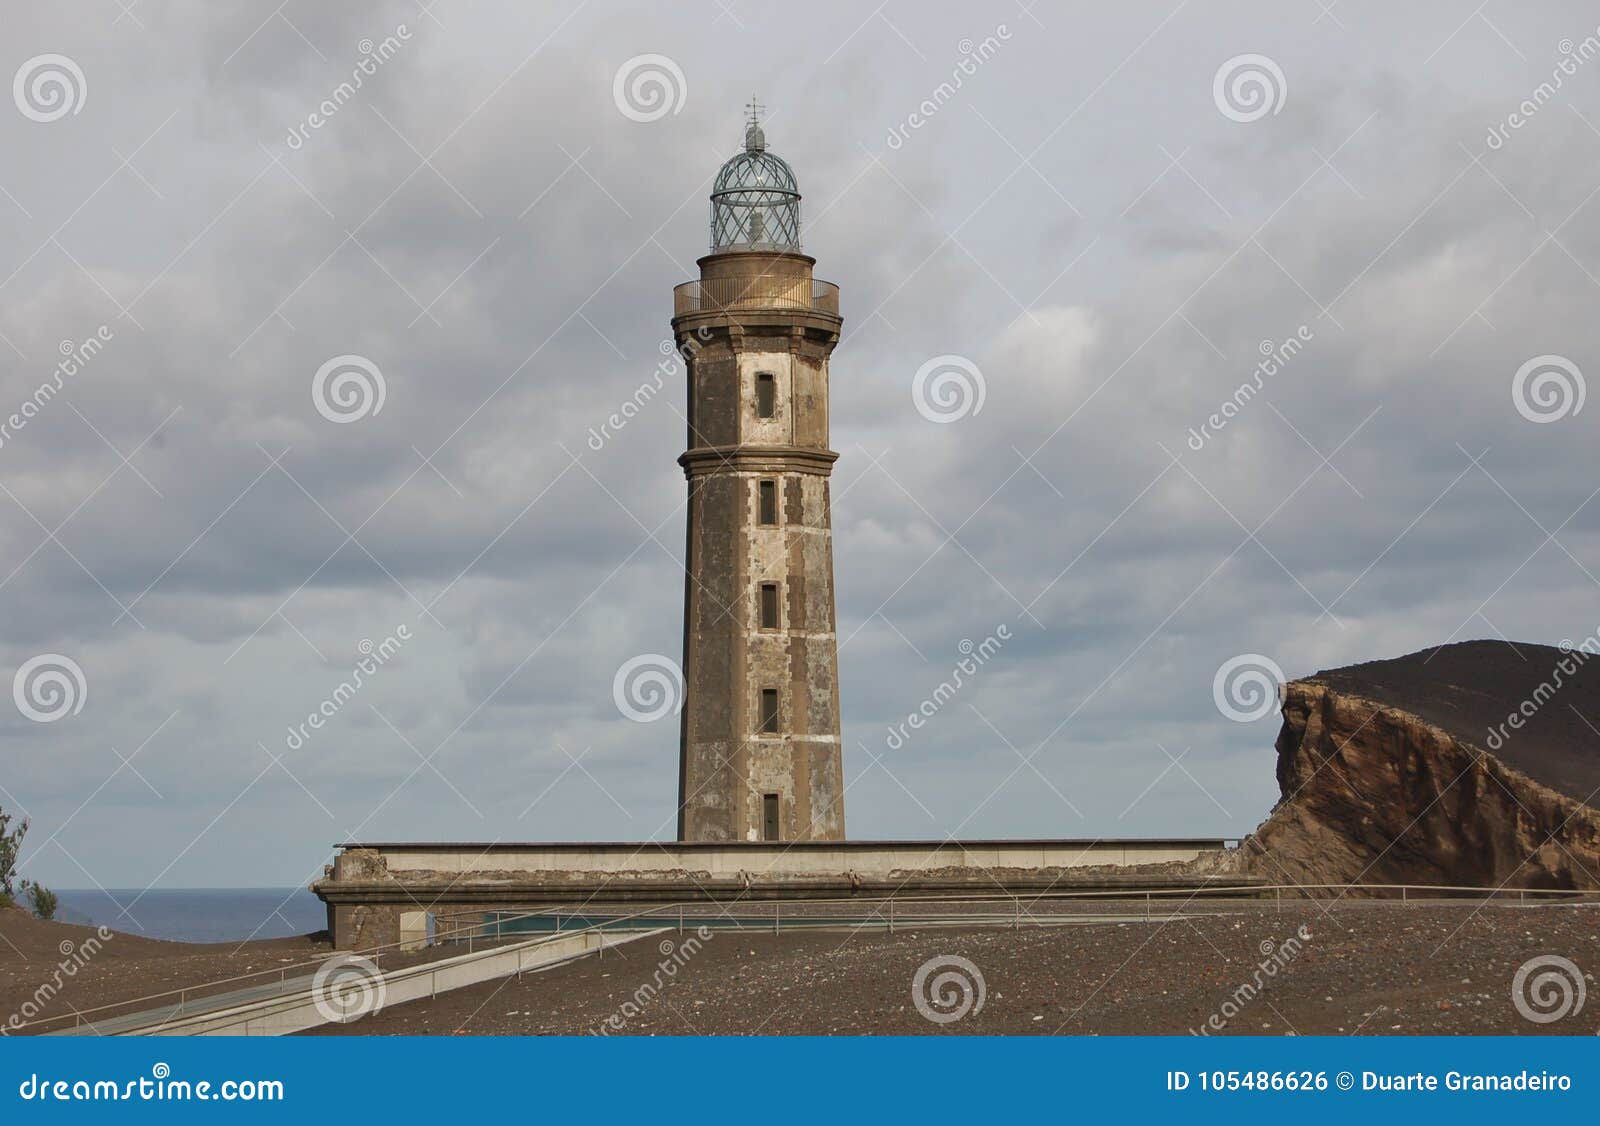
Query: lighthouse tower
760, 755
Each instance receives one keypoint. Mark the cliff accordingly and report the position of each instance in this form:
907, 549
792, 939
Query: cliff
1414, 771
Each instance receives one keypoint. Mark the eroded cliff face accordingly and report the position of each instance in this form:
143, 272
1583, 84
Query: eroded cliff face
1371, 793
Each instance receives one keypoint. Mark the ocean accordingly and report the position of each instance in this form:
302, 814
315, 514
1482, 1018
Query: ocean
196, 914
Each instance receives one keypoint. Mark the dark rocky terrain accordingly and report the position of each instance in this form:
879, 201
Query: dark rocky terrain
1469, 689
1368, 967
50, 972
1409, 771
36, 982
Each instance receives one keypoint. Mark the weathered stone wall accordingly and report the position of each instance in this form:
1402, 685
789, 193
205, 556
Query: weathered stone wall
728, 762
713, 665
365, 926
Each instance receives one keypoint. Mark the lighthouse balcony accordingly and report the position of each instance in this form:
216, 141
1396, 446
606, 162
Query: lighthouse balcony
755, 291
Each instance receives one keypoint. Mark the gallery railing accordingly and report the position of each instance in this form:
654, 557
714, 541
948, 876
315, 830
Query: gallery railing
758, 291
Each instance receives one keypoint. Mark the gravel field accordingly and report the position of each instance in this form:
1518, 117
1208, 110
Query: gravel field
1372, 968
55, 970
1377, 968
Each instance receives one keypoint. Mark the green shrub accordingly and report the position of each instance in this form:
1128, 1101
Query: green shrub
10, 849
42, 899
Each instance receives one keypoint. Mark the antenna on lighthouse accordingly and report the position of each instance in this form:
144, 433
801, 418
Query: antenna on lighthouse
754, 139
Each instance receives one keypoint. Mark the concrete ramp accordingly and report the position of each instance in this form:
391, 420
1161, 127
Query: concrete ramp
292, 1006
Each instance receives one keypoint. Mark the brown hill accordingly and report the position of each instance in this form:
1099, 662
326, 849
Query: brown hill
1414, 770
1470, 690
50, 972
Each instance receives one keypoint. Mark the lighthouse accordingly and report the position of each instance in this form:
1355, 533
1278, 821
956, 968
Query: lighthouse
759, 754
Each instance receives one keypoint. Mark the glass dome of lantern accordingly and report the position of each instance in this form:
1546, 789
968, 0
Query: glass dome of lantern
755, 201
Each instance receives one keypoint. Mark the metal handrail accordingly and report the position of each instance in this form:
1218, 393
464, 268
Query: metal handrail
372, 953
761, 291
1250, 889
1245, 890
552, 937
272, 1006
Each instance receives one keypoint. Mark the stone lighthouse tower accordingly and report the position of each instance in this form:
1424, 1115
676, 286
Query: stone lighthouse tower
760, 755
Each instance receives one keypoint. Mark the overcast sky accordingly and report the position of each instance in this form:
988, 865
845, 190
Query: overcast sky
1100, 223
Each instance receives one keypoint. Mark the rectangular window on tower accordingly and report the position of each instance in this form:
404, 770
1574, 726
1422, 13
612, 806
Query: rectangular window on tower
769, 711
767, 495
769, 817
769, 605
766, 396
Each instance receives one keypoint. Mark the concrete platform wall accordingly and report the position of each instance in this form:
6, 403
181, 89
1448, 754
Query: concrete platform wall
864, 858
376, 893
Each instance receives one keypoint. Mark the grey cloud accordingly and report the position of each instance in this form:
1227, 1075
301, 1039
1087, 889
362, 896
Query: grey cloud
545, 584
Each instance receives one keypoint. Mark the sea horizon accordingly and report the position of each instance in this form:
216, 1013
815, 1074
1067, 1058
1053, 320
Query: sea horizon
195, 914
